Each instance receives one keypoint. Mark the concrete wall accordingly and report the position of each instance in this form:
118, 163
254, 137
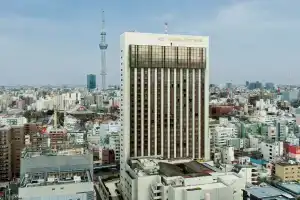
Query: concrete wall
56, 163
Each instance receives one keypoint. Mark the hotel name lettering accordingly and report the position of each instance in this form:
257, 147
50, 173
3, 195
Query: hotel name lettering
179, 39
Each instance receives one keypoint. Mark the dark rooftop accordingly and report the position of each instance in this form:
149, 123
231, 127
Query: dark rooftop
188, 169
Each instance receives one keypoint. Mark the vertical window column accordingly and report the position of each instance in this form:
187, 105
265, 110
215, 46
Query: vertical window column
142, 111
187, 112
175, 110
181, 112
155, 112
135, 112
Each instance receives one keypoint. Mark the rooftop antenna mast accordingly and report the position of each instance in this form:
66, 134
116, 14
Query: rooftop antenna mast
166, 27
65, 111
103, 46
55, 107
55, 118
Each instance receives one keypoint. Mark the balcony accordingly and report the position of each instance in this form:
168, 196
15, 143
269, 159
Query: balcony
155, 196
155, 191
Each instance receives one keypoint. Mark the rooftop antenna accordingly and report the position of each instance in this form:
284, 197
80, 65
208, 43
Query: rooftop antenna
65, 111
166, 27
55, 118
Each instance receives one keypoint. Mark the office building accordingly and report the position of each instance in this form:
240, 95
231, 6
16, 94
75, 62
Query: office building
164, 106
5, 153
91, 81
270, 86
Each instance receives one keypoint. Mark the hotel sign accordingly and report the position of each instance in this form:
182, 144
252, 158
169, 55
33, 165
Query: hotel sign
181, 39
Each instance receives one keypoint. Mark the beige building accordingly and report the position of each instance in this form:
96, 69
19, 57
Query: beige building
287, 172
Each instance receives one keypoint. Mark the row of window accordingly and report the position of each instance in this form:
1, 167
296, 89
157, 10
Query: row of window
166, 49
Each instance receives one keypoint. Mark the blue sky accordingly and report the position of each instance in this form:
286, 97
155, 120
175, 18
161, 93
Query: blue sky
56, 41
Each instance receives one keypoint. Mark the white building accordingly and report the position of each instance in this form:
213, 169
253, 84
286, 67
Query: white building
227, 155
249, 172
159, 179
292, 139
44, 104
114, 126
254, 142
78, 136
220, 135
67, 100
271, 151
70, 122
12, 120
114, 144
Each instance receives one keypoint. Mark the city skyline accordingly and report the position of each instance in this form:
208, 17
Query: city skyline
42, 41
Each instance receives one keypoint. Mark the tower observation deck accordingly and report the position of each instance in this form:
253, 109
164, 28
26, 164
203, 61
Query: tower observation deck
103, 46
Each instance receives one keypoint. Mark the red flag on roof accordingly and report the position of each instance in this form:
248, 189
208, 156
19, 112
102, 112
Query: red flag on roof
44, 130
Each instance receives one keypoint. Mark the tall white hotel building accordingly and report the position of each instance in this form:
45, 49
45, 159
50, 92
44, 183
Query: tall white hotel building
165, 96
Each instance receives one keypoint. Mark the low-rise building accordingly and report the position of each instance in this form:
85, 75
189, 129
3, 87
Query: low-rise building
249, 172
66, 174
266, 193
108, 189
287, 171
179, 180
271, 150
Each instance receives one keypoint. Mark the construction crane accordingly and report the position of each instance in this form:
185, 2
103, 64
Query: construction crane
103, 47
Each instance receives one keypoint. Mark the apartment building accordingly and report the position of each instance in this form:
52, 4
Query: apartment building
58, 137
220, 135
11, 144
114, 144
5, 153
31, 128
271, 150
17, 145
287, 171
33, 136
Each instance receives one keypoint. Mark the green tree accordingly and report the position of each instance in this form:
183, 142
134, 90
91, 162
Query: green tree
27, 115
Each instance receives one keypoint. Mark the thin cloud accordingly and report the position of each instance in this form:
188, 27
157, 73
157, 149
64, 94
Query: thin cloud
251, 40
167, 17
